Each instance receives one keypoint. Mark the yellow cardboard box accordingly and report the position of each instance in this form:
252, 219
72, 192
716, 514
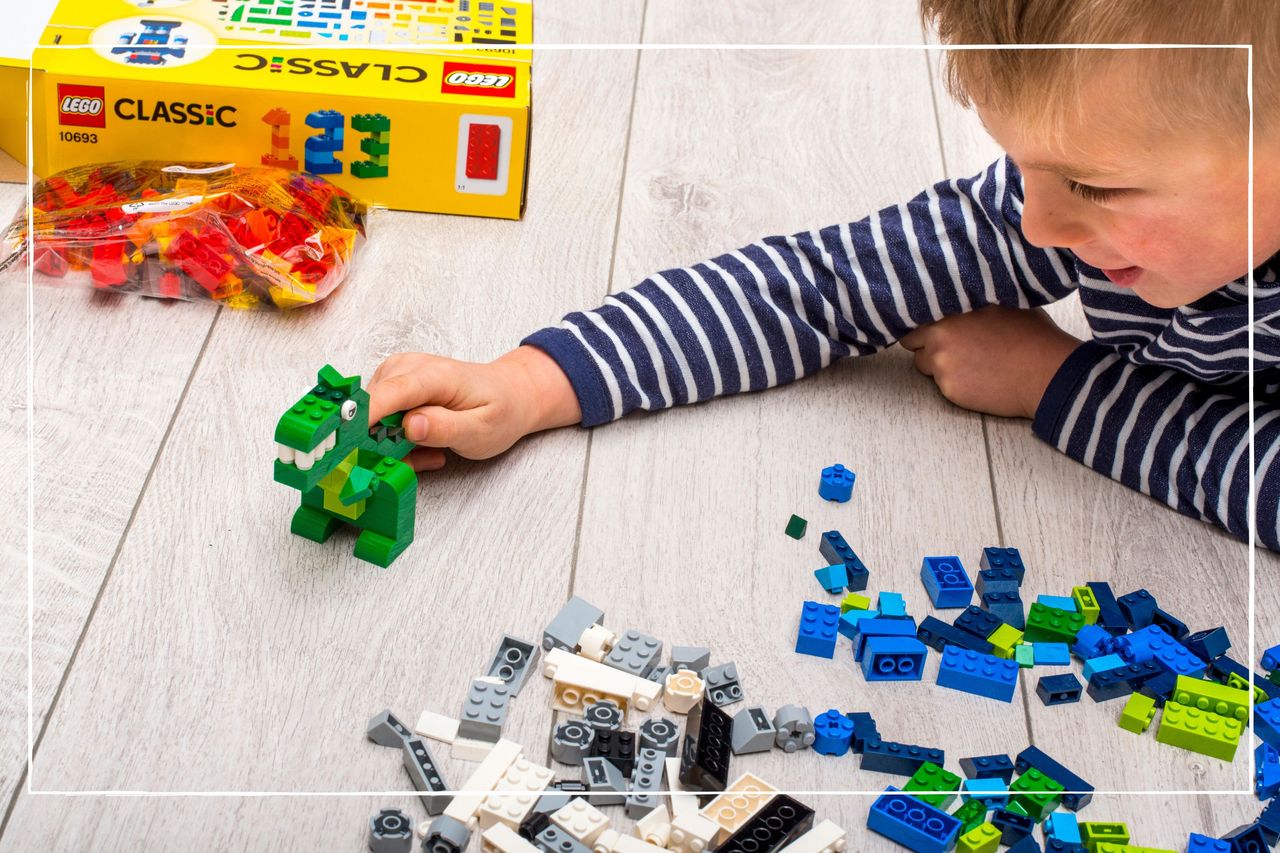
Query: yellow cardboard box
363, 92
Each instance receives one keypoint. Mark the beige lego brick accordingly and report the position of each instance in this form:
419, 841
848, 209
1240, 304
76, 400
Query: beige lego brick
435, 726
483, 780
596, 642
579, 681
683, 691
515, 794
826, 837
501, 838
655, 827
582, 820
745, 796
692, 833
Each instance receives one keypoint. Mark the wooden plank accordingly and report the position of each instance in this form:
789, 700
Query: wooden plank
683, 528
109, 372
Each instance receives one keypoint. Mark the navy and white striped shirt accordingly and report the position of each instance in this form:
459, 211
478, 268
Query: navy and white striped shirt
1157, 399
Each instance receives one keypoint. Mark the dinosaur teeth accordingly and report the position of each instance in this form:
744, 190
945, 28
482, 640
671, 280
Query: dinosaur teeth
306, 459
285, 454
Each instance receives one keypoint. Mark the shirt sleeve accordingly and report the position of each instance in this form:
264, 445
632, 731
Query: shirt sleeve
787, 306
1163, 433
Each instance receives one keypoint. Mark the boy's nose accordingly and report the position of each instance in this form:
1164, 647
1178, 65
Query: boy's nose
1049, 220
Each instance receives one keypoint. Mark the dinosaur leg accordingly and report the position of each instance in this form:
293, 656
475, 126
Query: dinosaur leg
310, 522
389, 516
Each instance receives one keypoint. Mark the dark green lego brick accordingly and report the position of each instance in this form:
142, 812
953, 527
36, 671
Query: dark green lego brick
370, 122
796, 527
374, 146
368, 169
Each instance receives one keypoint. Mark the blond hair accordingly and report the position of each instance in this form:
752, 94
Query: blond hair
1175, 90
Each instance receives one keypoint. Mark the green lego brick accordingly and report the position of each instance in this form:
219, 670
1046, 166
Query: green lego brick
854, 601
1025, 655
983, 838
373, 146
1199, 731
1093, 833
933, 785
1138, 713
1086, 603
370, 123
1259, 695
1036, 793
1050, 625
796, 527
1221, 699
971, 814
369, 169
1004, 640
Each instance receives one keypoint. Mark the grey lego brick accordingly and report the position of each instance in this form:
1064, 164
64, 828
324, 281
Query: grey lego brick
646, 781
385, 730
659, 674
794, 728
567, 626
605, 783
446, 835
571, 741
424, 772
635, 653
390, 831
513, 660
660, 734
696, 658
722, 684
604, 715
484, 711
753, 731
553, 839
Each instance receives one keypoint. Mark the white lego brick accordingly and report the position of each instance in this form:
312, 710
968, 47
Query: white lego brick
682, 802
630, 844
826, 837
733, 807
579, 680
470, 749
655, 827
596, 642
604, 844
515, 794
501, 838
692, 833
483, 780
435, 726
582, 820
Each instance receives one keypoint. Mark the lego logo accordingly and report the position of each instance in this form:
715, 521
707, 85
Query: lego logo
81, 106
469, 78
482, 81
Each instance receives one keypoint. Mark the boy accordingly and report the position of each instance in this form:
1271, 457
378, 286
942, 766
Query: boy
1125, 180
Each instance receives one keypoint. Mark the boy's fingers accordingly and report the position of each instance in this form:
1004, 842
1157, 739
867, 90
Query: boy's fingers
425, 459
434, 426
402, 391
924, 362
912, 340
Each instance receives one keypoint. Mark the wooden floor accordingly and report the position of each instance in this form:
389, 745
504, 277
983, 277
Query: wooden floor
184, 641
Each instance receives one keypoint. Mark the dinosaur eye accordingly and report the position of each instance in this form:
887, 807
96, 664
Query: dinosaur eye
348, 410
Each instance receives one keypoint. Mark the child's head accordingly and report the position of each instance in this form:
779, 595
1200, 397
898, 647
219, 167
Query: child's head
1168, 128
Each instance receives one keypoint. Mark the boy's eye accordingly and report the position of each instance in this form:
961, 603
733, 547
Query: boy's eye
1094, 194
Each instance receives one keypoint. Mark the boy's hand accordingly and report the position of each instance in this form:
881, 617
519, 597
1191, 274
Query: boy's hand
476, 410
994, 360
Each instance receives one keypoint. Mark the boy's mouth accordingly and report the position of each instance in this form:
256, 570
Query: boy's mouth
1124, 277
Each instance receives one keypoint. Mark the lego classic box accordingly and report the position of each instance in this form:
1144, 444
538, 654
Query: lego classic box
360, 91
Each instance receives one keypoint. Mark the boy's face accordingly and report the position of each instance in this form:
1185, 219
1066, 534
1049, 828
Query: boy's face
1164, 216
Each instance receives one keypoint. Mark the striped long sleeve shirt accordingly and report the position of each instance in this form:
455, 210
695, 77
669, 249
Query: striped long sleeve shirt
1157, 399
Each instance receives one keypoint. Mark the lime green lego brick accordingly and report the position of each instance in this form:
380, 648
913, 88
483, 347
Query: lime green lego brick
933, 785
796, 527
1004, 640
854, 601
1025, 655
983, 838
1221, 699
369, 169
1050, 625
1086, 603
1259, 695
1138, 713
1036, 793
971, 814
1094, 833
1199, 731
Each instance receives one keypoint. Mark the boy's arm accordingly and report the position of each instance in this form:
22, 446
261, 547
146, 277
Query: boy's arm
785, 307
1163, 433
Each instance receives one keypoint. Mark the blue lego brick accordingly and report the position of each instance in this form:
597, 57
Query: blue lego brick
894, 659
1266, 779
1052, 846
900, 759
834, 549
891, 605
1198, 843
1091, 642
1051, 654
1062, 602
1013, 826
836, 483
1266, 722
1208, 644
1224, 666
1101, 664
1078, 793
1178, 660
1159, 687
998, 766
992, 793
1247, 839
997, 580
322, 144
1172, 625
818, 628
1063, 826
1059, 689
1269, 820
946, 582
322, 167
864, 729
1138, 607
982, 675
833, 578
936, 634
326, 120
849, 620
913, 824
978, 622
1271, 658
1142, 645
832, 733
1004, 559
879, 627
1005, 606
1109, 615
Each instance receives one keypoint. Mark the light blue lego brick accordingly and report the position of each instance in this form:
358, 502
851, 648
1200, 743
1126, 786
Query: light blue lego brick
892, 605
1051, 654
894, 659
1062, 826
1102, 664
991, 792
1062, 602
833, 578
849, 622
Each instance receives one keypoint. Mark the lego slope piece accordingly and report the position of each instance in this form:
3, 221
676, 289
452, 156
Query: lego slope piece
424, 772
982, 675
567, 626
946, 582
836, 484
796, 526
346, 476
915, 825
818, 628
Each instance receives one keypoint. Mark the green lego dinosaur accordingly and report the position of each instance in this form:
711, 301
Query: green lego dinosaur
347, 472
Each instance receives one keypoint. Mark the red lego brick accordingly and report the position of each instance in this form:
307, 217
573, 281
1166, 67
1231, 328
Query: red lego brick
483, 143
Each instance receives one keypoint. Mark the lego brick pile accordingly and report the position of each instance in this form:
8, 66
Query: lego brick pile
674, 781
245, 237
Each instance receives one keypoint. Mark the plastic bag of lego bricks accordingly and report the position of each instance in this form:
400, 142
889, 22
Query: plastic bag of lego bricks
242, 236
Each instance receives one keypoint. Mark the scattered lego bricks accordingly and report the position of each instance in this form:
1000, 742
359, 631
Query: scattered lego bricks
242, 236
